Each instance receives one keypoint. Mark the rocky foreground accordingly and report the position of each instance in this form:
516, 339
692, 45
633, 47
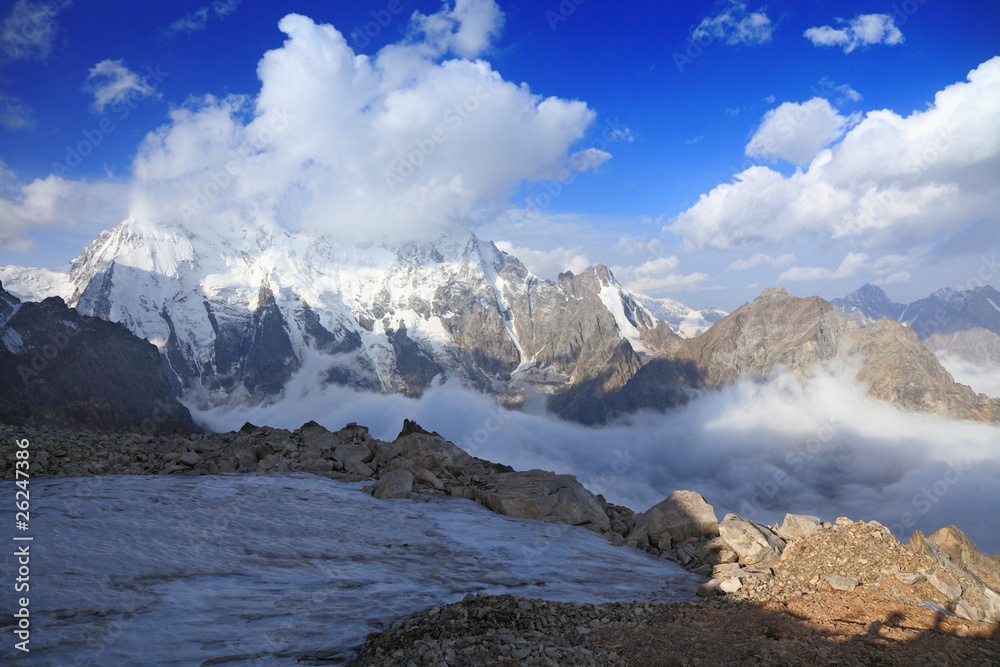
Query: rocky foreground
803, 592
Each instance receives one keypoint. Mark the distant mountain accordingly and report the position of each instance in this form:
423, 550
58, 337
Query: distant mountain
685, 321
60, 369
777, 329
868, 304
962, 323
236, 313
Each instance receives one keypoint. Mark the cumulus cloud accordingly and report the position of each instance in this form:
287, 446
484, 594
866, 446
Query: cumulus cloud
759, 448
394, 146
735, 25
548, 264
29, 31
54, 202
862, 30
797, 132
890, 180
851, 265
656, 278
762, 261
111, 81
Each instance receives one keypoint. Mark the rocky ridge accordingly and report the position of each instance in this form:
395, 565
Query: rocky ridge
66, 370
779, 330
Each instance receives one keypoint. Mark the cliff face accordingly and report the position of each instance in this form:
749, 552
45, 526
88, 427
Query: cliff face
63, 370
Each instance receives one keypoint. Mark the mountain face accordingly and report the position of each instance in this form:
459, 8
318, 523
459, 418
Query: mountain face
237, 313
777, 329
868, 304
963, 323
60, 369
686, 321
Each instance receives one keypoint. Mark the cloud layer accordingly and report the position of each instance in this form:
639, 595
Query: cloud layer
760, 448
891, 179
400, 144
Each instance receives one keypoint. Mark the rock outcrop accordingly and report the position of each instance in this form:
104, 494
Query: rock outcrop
64, 370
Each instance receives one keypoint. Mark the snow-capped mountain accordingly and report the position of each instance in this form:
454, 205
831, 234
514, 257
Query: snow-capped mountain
237, 312
868, 304
686, 322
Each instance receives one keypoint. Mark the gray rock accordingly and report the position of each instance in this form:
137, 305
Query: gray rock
908, 578
427, 478
189, 459
395, 484
358, 468
540, 495
315, 436
840, 583
753, 543
798, 526
683, 514
353, 452
946, 583
730, 585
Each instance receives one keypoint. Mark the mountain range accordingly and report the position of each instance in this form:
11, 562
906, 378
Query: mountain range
964, 323
237, 313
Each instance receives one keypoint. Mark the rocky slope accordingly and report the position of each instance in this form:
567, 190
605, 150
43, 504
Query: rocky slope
846, 591
61, 369
963, 323
777, 329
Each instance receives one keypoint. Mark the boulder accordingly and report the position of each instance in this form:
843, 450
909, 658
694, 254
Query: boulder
798, 526
395, 484
540, 495
316, 436
353, 452
841, 583
946, 583
753, 543
682, 515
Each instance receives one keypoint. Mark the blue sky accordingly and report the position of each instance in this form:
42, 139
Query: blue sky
657, 107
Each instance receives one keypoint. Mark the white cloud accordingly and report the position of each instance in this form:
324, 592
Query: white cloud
394, 146
193, 22
862, 30
851, 265
548, 264
14, 113
759, 448
890, 180
797, 132
29, 30
110, 82
54, 202
762, 261
736, 26
656, 278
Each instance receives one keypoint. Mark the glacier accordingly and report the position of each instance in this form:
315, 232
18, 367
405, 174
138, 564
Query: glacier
284, 569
